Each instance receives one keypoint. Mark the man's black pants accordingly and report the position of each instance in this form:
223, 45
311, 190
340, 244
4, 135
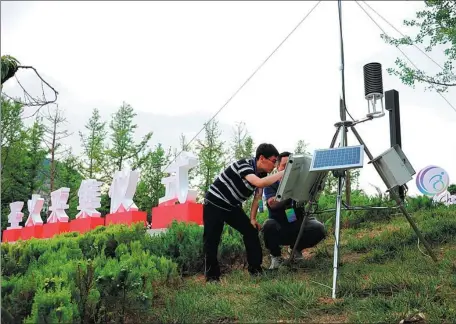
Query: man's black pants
277, 234
214, 219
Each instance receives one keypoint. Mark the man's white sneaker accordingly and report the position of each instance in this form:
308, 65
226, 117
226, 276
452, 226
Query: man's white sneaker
275, 262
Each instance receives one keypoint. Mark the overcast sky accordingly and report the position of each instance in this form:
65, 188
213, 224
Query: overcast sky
177, 63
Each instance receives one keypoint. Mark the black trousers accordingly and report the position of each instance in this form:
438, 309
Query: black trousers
214, 219
278, 234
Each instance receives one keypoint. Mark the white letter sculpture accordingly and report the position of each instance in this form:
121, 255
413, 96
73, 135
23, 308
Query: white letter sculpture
89, 198
34, 206
59, 200
177, 184
15, 217
122, 191
446, 198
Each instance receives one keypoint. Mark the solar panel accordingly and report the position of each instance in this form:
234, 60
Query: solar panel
348, 157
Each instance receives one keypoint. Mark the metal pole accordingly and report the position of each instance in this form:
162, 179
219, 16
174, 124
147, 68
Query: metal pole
337, 224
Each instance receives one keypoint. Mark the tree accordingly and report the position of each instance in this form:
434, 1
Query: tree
11, 128
93, 145
242, 142
437, 28
452, 189
36, 161
124, 151
210, 154
150, 188
54, 132
301, 147
10, 66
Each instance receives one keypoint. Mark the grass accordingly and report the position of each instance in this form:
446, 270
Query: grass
383, 277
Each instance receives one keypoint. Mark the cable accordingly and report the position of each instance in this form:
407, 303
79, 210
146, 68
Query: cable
248, 79
342, 60
397, 46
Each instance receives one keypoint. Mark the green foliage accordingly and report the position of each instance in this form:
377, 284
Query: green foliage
150, 188
437, 29
123, 149
93, 145
106, 275
9, 67
242, 143
301, 147
210, 155
452, 189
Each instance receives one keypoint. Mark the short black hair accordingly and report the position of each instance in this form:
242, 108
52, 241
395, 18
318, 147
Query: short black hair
267, 150
282, 155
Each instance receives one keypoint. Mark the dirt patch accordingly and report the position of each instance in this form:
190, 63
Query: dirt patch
329, 301
328, 318
377, 231
351, 257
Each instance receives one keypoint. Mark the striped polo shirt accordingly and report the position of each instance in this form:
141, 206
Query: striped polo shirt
230, 186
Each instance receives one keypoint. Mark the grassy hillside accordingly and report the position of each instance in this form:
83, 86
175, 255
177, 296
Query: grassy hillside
119, 274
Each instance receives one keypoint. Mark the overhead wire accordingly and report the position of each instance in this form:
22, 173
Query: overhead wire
397, 46
248, 79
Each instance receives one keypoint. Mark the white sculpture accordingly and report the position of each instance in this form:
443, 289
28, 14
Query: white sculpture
34, 206
15, 217
89, 198
122, 191
59, 200
446, 198
176, 185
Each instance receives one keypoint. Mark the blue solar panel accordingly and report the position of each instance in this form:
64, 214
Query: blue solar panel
348, 157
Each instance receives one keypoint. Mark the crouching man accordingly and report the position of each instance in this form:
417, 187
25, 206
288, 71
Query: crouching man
284, 222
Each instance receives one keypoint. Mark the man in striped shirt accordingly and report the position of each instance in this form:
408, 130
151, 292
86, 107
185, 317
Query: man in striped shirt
223, 204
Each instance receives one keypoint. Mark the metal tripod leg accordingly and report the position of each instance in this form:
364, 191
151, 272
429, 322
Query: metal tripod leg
307, 209
395, 197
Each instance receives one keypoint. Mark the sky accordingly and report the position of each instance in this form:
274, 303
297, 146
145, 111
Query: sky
177, 63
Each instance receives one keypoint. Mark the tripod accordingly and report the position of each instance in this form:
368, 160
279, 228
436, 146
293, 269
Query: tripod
342, 129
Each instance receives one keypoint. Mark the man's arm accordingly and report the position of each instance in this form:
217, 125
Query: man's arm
264, 182
254, 208
274, 204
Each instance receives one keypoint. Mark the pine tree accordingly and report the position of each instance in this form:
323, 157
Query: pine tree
211, 156
124, 151
150, 188
93, 145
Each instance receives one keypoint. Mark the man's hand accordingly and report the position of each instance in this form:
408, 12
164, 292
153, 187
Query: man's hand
255, 224
254, 208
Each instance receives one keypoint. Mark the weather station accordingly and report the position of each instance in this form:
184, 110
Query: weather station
305, 174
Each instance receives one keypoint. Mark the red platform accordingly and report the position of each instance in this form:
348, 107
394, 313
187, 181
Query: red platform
11, 235
83, 225
35, 231
126, 217
51, 229
189, 212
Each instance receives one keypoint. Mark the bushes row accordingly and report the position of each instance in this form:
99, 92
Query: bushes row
111, 274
